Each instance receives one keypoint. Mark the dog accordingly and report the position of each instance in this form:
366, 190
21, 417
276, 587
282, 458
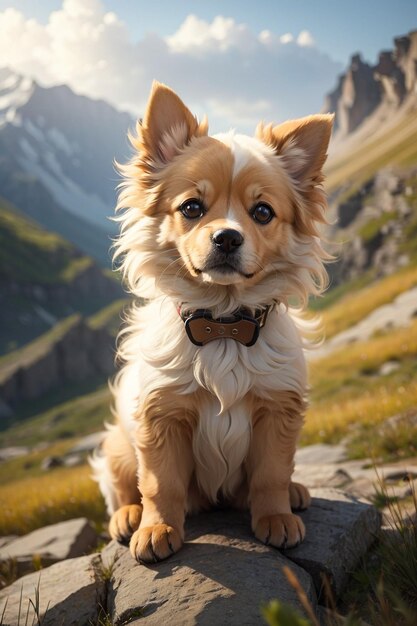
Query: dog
219, 234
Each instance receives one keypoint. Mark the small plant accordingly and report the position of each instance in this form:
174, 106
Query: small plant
103, 618
8, 572
398, 551
278, 614
33, 606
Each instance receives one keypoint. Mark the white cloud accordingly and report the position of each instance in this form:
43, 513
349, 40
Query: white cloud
305, 39
221, 67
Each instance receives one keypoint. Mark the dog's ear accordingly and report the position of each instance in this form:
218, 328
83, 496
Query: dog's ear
302, 145
302, 148
167, 127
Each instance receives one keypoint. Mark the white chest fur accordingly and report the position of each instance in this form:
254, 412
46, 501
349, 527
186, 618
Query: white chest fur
159, 354
220, 445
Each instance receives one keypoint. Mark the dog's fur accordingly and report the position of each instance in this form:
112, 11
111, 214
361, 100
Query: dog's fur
195, 424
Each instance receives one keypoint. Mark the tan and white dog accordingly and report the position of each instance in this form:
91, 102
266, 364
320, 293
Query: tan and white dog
217, 233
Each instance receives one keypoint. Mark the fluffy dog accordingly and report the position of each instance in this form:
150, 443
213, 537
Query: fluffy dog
217, 234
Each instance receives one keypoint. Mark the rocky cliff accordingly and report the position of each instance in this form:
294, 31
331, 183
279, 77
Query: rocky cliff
43, 279
72, 352
364, 88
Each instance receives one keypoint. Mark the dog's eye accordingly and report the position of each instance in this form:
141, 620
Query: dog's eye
262, 213
192, 209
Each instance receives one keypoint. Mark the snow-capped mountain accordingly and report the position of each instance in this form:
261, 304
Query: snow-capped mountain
57, 150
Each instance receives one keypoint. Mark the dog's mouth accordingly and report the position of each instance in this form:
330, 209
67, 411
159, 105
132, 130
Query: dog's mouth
224, 269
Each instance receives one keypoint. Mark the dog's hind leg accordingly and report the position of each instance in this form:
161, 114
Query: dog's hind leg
118, 483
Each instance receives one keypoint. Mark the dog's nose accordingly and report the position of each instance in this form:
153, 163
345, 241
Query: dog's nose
227, 240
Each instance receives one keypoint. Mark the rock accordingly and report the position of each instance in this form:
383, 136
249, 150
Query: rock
72, 460
362, 487
70, 593
57, 542
388, 368
329, 475
12, 452
7, 539
222, 575
74, 352
320, 453
340, 529
88, 443
5, 411
49, 462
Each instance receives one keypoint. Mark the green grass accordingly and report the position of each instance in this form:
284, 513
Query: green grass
39, 346
75, 417
335, 294
391, 440
373, 227
110, 317
43, 279
30, 254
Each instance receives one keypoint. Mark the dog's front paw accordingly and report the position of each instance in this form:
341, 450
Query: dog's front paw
300, 498
155, 543
283, 530
125, 521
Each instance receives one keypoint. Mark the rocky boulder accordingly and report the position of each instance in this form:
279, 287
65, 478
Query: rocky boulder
50, 544
71, 593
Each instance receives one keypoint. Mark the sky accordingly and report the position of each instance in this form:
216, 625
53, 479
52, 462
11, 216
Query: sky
237, 61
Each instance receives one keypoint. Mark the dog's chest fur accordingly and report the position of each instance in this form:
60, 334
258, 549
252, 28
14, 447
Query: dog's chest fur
161, 355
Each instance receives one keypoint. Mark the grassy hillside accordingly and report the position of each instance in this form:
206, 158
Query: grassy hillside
31, 254
43, 278
397, 146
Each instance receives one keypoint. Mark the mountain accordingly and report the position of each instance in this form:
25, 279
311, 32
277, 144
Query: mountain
371, 174
56, 159
369, 97
43, 279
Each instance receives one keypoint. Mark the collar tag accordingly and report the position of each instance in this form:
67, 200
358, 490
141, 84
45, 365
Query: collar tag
201, 328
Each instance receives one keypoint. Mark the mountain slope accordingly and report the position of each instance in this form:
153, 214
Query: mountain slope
43, 278
56, 158
371, 173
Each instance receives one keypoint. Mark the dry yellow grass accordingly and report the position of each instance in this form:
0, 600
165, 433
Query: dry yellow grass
355, 306
347, 389
61, 494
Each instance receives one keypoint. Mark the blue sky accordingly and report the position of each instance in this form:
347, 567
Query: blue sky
237, 61
339, 27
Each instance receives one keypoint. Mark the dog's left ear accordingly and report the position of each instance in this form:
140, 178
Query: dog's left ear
302, 145
167, 127
302, 148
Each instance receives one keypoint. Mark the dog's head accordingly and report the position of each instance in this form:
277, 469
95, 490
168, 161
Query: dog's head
229, 213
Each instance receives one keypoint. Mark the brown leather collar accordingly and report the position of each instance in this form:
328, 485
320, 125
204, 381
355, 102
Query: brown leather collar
240, 326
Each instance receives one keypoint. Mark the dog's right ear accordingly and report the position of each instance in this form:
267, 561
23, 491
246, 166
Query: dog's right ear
167, 127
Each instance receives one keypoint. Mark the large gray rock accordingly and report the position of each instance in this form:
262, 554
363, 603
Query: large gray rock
320, 453
340, 529
71, 593
57, 542
221, 576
